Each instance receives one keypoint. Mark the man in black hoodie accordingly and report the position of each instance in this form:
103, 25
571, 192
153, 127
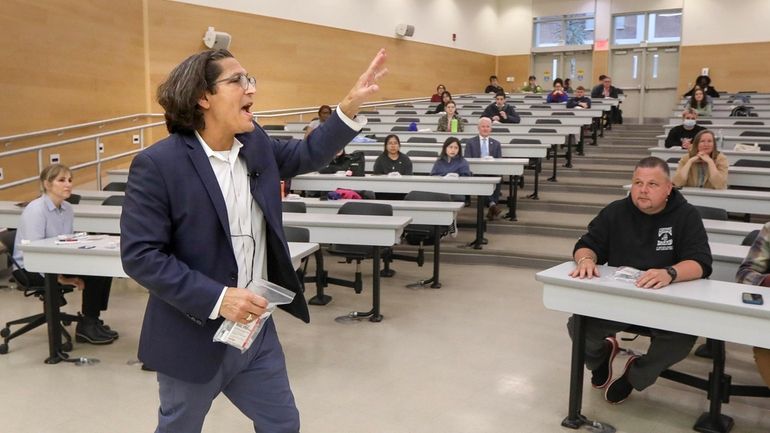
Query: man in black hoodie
655, 230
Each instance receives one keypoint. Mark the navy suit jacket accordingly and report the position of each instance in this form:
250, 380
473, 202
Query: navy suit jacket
473, 148
175, 238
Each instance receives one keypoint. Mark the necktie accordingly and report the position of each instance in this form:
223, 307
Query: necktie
484, 148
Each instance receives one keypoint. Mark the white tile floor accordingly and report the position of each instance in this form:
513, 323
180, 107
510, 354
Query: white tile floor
480, 355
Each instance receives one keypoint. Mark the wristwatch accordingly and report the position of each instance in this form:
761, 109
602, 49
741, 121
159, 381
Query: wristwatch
671, 272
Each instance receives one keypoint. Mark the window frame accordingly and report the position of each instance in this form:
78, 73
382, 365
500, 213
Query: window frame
645, 40
561, 45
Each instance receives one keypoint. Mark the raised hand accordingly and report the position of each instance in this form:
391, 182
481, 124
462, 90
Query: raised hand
366, 86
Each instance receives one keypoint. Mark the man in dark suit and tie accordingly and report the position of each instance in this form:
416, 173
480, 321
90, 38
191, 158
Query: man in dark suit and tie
201, 221
484, 146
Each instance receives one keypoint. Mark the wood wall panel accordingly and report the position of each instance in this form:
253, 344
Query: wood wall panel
732, 67
600, 65
300, 64
513, 66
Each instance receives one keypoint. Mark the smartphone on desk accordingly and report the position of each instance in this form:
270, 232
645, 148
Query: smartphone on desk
752, 298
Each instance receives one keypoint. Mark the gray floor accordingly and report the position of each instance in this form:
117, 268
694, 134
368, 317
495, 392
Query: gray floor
480, 355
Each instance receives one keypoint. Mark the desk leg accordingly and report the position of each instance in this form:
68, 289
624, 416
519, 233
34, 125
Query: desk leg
52, 310
714, 421
574, 418
594, 133
555, 150
434, 279
570, 142
373, 314
581, 143
513, 195
320, 297
538, 169
479, 224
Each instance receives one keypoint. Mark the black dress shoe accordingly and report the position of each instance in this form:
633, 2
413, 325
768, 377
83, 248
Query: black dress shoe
107, 330
89, 331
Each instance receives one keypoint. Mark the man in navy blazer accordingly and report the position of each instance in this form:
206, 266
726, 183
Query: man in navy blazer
484, 146
201, 220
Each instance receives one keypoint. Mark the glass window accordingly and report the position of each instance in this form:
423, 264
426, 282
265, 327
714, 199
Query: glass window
629, 29
580, 32
665, 27
548, 34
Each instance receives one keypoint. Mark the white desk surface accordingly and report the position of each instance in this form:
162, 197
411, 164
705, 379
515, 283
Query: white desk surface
726, 259
731, 200
88, 218
731, 155
421, 212
480, 186
718, 122
45, 256
439, 137
495, 167
523, 110
95, 197
706, 308
350, 229
729, 232
507, 150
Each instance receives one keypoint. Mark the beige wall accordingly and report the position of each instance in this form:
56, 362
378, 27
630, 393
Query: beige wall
733, 67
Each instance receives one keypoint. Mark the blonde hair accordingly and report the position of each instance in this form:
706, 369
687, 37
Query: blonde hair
695, 141
50, 173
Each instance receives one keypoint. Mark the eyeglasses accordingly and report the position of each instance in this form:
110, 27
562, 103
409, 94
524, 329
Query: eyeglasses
244, 80
249, 265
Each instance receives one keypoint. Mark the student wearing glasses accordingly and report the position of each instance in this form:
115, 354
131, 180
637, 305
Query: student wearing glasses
193, 204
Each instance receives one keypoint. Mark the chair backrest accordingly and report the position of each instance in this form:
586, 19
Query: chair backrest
563, 113
406, 112
764, 147
114, 200
524, 113
712, 213
755, 134
373, 119
273, 127
545, 106
427, 196
296, 234
115, 186
404, 104
470, 106
407, 119
674, 159
293, 206
369, 112
477, 113
501, 130
525, 141
750, 238
748, 122
8, 238
541, 130
370, 152
751, 163
399, 128
422, 153
364, 208
704, 122
74, 199
548, 122
421, 140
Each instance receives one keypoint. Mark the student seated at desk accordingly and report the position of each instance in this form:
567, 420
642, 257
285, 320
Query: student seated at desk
568, 86
682, 135
580, 100
703, 166
451, 160
51, 215
700, 103
755, 270
445, 98
440, 89
324, 112
703, 82
444, 122
392, 159
532, 85
654, 230
500, 111
493, 86
557, 94
484, 146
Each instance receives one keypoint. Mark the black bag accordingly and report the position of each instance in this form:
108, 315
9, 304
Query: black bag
742, 111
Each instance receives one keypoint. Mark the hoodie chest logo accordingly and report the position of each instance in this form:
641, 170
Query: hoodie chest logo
665, 239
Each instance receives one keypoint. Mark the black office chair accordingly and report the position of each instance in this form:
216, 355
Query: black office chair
501, 130
712, 213
421, 234
114, 200
23, 283
115, 186
74, 199
399, 129
429, 153
294, 207
764, 147
421, 140
477, 113
405, 112
373, 119
563, 113
541, 131
704, 122
755, 134
750, 238
673, 160
525, 141
524, 113
368, 112
548, 122
273, 127
359, 253
749, 122
408, 120
751, 163
543, 106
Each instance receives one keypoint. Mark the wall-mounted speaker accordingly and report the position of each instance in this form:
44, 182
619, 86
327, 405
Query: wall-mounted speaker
216, 40
404, 30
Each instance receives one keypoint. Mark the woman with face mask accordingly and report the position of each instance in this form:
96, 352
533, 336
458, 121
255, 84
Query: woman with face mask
682, 135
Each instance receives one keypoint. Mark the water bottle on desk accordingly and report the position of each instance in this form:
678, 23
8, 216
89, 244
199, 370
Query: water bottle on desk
453, 127
720, 140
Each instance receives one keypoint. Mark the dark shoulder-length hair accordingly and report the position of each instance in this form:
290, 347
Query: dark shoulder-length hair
449, 141
185, 85
695, 104
385, 146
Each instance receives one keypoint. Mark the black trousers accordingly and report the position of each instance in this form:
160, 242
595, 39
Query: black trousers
96, 294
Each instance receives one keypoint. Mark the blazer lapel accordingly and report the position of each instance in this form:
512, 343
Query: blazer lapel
250, 154
203, 167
